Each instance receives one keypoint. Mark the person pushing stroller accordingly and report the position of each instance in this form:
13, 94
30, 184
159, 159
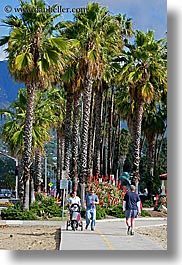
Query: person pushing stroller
74, 204
72, 200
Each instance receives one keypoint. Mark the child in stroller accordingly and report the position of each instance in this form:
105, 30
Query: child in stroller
75, 217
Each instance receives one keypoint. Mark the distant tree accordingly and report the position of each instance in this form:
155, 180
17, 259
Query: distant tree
144, 71
33, 52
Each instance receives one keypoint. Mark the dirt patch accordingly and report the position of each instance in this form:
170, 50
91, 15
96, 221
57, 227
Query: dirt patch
156, 233
29, 237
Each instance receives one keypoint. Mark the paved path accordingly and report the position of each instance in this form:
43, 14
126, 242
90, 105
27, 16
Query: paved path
110, 235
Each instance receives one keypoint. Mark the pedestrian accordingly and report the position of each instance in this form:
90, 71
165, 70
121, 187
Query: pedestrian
90, 202
74, 199
131, 208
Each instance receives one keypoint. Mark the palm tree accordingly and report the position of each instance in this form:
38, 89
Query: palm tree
75, 138
55, 101
72, 85
152, 127
99, 34
144, 73
13, 129
71, 81
32, 52
98, 127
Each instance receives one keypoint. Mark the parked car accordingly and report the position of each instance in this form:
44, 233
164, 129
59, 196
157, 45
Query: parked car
5, 193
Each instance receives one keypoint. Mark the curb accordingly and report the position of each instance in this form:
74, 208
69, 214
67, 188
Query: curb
28, 222
136, 219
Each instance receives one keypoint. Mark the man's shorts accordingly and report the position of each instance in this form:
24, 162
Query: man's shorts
131, 214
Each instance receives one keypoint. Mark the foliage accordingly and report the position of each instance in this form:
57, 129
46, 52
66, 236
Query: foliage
7, 178
43, 208
147, 203
161, 201
116, 211
17, 213
100, 213
110, 198
108, 194
144, 213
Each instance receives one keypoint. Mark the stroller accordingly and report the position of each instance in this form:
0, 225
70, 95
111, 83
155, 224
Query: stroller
75, 218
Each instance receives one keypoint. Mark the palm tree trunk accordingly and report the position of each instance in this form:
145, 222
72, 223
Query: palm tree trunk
97, 151
62, 146
38, 170
28, 144
150, 166
118, 168
75, 141
87, 94
59, 168
32, 191
91, 137
136, 143
105, 156
109, 170
67, 135
104, 139
113, 141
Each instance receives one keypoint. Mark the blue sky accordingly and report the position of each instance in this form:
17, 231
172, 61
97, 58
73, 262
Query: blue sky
145, 14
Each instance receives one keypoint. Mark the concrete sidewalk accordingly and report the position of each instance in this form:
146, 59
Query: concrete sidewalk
110, 235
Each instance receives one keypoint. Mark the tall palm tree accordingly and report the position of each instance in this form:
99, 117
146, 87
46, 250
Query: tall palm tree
55, 101
145, 74
98, 127
99, 34
13, 128
32, 52
72, 85
152, 126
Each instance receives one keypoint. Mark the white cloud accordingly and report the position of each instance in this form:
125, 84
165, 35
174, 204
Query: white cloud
2, 54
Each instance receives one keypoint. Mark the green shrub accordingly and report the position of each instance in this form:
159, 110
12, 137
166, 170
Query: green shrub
147, 203
100, 213
15, 213
116, 211
145, 213
46, 207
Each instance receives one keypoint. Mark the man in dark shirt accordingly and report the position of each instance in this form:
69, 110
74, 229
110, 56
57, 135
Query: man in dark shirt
131, 208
